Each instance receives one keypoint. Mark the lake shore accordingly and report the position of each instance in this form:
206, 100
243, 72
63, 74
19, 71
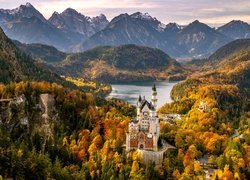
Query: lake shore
130, 92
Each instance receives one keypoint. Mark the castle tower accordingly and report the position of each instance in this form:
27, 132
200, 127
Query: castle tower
139, 101
138, 105
144, 130
154, 97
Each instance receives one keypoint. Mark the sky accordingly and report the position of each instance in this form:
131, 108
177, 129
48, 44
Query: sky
211, 12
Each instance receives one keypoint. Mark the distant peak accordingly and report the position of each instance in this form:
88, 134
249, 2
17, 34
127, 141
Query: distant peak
141, 15
55, 13
101, 16
119, 17
196, 22
137, 14
237, 22
123, 15
70, 10
173, 26
28, 4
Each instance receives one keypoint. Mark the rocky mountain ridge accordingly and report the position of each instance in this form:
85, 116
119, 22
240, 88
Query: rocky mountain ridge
236, 29
64, 31
71, 20
71, 31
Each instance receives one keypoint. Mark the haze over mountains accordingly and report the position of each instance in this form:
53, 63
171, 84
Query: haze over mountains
71, 31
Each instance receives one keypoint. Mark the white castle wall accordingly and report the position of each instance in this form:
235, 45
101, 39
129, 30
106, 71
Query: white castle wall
148, 156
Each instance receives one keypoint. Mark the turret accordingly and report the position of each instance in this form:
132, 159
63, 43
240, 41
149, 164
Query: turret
139, 105
154, 97
139, 101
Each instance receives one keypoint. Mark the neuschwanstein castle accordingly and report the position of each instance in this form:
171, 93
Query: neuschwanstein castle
144, 130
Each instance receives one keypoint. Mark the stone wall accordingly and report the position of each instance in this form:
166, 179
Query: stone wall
148, 156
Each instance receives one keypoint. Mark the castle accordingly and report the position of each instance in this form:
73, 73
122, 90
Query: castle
144, 130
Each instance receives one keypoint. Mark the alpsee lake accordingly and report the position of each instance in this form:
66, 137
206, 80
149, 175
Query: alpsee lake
130, 92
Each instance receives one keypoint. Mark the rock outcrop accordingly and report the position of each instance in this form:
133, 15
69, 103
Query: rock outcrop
24, 116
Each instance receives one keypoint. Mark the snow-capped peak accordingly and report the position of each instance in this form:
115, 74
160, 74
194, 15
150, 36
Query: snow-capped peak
26, 10
154, 22
140, 15
74, 21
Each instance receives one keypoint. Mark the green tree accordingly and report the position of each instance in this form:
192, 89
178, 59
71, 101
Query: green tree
150, 173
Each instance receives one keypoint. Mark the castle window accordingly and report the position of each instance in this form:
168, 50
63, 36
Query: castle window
141, 136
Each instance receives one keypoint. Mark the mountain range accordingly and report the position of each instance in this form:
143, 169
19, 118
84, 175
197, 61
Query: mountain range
64, 31
125, 63
71, 31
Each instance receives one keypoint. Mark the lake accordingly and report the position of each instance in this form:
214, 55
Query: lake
130, 92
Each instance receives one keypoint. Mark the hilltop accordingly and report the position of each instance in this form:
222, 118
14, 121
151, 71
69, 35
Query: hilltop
122, 63
230, 50
45, 53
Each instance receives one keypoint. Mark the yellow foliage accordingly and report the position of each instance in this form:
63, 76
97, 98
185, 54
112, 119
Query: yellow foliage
92, 149
136, 155
20, 153
134, 169
197, 167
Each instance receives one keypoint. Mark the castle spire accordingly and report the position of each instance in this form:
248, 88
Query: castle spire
154, 96
154, 88
139, 101
139, 98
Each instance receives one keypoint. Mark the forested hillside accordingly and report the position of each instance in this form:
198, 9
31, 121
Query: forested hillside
109, 64
53, 132
216, 108
48, 54
17, 66
122, 63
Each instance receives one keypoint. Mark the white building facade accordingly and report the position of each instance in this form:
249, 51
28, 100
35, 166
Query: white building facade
144, 130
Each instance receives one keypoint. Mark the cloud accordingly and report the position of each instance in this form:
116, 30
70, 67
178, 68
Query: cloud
213, 12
